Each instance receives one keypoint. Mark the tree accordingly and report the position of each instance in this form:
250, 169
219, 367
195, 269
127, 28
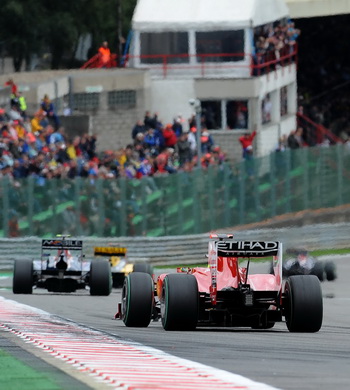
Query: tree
29, 27
19, 35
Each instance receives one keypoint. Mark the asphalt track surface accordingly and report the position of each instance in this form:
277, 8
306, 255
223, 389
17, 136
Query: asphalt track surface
274, 357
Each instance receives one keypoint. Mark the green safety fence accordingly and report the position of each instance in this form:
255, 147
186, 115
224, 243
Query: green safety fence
176, 204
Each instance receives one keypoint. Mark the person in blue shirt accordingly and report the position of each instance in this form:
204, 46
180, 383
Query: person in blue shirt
48, 107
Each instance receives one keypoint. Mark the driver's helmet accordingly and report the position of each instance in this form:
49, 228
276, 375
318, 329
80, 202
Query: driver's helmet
302, 256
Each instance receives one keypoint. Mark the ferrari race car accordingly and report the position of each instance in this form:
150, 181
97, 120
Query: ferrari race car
62, 269
120, 265
300, 262
226, 293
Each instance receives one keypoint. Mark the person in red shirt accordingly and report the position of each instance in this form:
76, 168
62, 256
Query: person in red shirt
105, 55
13, 86
169, 135
247, 144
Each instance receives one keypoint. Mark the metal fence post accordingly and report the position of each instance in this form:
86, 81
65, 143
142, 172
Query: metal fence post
180, 215
340, 172
53, 185
144, 206
5, 205
227, 211
256, 188
241, 191
196, 202
77, 189
100, 208
273, 183
289, 155
306, 183
123, 207
210, 186
321, 176
30, 193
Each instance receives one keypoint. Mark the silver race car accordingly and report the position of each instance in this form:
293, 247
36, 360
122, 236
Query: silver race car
62, 268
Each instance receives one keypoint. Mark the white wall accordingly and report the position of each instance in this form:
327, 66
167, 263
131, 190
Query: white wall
171, 97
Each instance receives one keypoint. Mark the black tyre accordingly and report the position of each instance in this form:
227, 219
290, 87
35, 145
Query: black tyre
330, 271
137, 299
303, 306
318, 270
179, 302
100, 278
143, 267
23, 277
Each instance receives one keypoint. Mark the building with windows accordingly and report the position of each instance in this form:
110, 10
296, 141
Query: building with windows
182, 50
198, 49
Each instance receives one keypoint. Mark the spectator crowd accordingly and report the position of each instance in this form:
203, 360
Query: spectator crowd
272, 42
39, 146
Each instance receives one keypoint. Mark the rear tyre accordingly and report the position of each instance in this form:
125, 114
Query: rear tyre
23, 277
179, 302
329, 269
137, 299
143, 267
318, 270
303, 306
100, 278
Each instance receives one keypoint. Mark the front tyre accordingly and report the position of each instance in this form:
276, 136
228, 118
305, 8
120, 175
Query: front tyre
100, 278
23, 277
303, 307
179, 302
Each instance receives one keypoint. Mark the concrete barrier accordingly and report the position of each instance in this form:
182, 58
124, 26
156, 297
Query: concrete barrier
188, 249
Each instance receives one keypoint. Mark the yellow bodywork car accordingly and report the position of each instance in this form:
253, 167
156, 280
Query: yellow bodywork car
120, 265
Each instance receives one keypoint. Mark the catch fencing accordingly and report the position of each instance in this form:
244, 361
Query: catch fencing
184, 203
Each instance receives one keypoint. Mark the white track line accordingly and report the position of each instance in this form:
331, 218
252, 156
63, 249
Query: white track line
123, 365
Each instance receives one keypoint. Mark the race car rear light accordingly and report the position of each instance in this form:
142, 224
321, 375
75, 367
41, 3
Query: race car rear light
248, 298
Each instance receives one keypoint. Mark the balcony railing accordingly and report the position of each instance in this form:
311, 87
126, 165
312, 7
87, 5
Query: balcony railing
316, 133
203, 64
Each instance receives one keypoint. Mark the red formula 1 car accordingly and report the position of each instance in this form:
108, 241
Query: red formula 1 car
226, 293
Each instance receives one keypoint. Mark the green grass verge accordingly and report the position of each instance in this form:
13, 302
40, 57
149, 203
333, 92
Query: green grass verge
325, 252
17, 375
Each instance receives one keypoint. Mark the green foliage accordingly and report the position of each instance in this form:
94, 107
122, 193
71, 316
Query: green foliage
29, 27
334, 251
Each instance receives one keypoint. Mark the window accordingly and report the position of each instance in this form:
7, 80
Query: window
154, 46
211, 114
284, 101
266, 108
220, 42
122, 98
237, 114
86, 101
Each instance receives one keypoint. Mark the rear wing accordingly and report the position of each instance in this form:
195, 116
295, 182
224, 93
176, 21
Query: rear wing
109, 251
223, 245
62, 244
228, 248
